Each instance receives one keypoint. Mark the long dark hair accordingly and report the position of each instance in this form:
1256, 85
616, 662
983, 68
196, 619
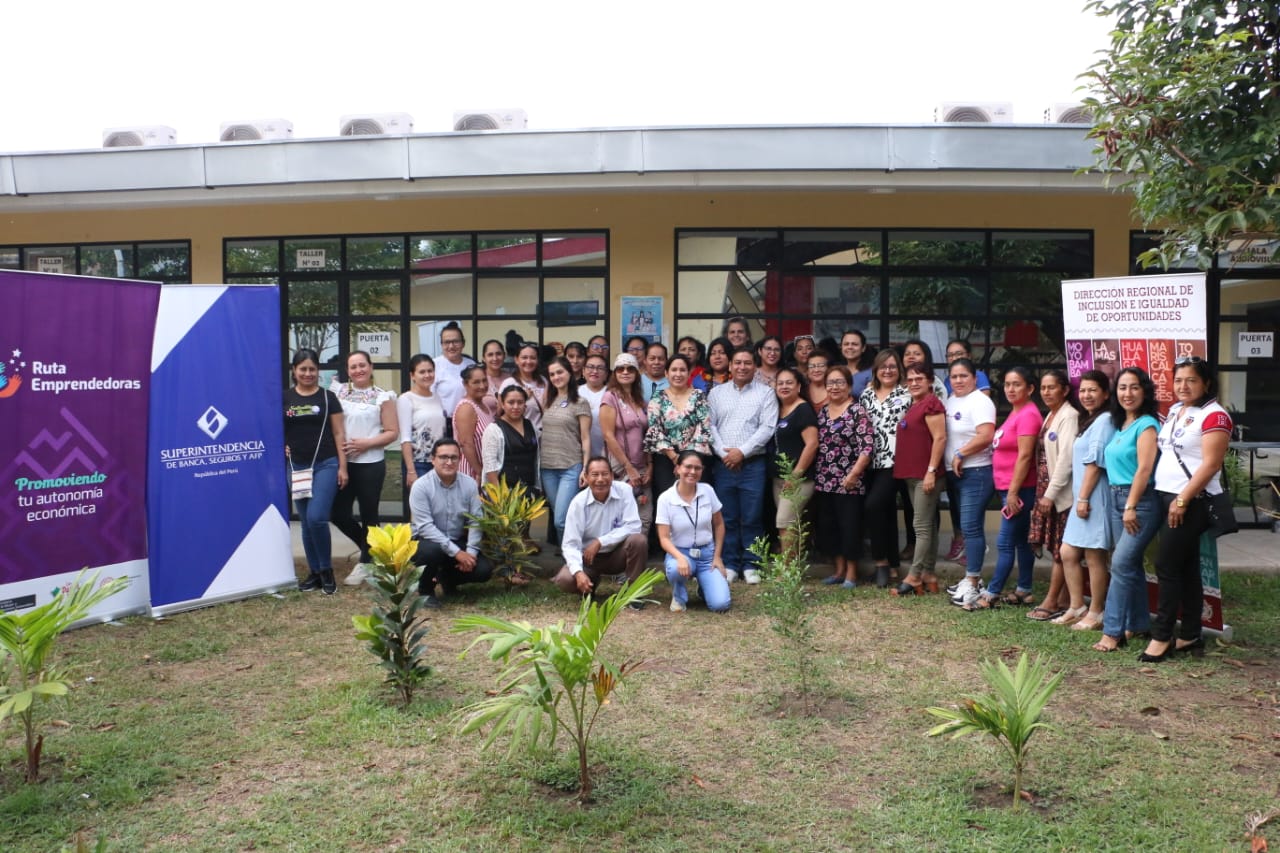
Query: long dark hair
1060, 376
1097, 377
571, 390
1148, 407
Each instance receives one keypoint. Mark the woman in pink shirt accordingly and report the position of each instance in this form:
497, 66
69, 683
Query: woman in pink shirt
1013, 452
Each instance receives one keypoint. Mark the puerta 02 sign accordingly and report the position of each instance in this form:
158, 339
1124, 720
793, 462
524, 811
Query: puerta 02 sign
218, 521
74, 382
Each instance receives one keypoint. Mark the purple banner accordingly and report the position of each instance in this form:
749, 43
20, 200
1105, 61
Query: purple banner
75, 368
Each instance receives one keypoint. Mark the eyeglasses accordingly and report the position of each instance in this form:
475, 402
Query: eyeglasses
452, 342
840, 384
447, 457
957, 354
817, 365
1189, 359
595, 367
771, 349
597, 347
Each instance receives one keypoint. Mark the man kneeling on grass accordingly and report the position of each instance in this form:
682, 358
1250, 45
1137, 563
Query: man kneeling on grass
601, 532
448, 545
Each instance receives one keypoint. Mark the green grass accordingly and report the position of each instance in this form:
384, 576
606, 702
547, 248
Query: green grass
264, 725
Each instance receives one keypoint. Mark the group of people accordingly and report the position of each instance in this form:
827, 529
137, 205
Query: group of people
679, 452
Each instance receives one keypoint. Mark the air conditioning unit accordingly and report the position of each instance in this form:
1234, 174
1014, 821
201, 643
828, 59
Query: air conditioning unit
136, 137
1071, 113
513, 119
377, 124
981, 113
247, 131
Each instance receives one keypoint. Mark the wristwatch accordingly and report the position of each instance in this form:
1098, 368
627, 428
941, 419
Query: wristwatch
1180, 502
931, 470
959, 455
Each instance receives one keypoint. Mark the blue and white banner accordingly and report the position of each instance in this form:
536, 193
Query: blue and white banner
217, 521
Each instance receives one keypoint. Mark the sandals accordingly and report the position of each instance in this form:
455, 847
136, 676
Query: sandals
1040, 613
1072, 615
1019, 599
1091, 622
908, 588
984, 602
1109, 643
930, 583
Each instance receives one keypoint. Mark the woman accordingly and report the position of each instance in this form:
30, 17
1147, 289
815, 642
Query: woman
853, 349
624, 418
449, 368
1053, 486
636, 347
421, 419
596, 371
795, 437
802, 346
916, 352
1193, 444
529, 376
1013, 450
692, 349
369, 420
770, 351
1089, 533
816, 372
510, 451
470, 419
576, 354
719, 354
565, 441
494, 355
971, 425
845, 445
314, 441
737, 332
679, 420
1130, 462
917, 462
691, 532
886, 401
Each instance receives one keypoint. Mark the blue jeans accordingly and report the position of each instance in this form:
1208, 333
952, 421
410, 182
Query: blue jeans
313, 513
741, 494
560, 485
1012, 542
974, 486
1127, 605
715, 589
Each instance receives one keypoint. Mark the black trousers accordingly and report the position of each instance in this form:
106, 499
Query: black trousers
1178, 570
364, 485
881, 514
438, 567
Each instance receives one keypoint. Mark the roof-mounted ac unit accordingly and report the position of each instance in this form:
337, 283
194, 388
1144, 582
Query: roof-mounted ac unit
247, 131
513, 119
136, 137
376, 124
1071, 113
981, 113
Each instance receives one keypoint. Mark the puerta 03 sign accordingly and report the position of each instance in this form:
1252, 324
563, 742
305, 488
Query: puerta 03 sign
74, 379
218, 520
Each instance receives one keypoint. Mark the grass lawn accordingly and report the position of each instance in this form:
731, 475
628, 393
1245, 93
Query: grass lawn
263, 725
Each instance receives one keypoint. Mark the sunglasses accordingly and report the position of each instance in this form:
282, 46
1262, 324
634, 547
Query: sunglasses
1189, 359
798, 338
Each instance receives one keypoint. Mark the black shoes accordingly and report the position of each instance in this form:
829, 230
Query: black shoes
327, 583
310, 582
1195, 648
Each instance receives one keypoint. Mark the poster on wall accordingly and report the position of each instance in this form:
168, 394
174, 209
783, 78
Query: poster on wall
642, 316
74, 377
218, 518
1147, 321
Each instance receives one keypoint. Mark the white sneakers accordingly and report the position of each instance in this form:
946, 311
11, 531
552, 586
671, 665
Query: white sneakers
751, 575
676, 607
730, 575
357, 576
966, 592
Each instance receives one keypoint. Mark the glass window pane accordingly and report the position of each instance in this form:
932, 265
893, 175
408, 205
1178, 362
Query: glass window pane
441, 293
313, 298
1036, 342
1027, 292
424, 335
728, 248
9, 259
253, 256
1253, 395
314, 254
56, 259
435, 251
107, 261
937, 294
376, 296
844, 295
937, 248
573, 303
1068, 250
507, 296
508, 331
558, 336
380, 340
375, 253
831, 248
574, 250
254, 279
170, 262
319, 336
506, 250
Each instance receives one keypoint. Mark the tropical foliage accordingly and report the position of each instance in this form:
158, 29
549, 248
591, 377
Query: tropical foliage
553, 677
507, 510
28, 640
395, 630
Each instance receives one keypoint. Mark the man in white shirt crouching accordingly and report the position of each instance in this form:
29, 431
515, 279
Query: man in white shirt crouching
601, 532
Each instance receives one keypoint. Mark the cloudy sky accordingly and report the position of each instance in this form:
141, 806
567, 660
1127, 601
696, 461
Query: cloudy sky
74, 68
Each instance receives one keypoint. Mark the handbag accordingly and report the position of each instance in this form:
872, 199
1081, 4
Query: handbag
1222, 516
300, 478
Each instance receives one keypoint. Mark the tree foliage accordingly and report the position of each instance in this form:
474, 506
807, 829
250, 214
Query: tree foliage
1186, 110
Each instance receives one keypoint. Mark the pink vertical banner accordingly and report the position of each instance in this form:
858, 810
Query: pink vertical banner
1160, 366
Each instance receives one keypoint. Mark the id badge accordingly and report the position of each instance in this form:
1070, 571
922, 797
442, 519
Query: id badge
696, 553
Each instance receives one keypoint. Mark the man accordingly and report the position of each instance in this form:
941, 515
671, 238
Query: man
654, 378
448, 546
744, 414
601, 532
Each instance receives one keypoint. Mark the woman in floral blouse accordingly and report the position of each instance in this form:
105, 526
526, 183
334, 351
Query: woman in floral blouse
845, 446
886, 401
679, 419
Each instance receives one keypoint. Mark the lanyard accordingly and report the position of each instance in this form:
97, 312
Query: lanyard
693, 518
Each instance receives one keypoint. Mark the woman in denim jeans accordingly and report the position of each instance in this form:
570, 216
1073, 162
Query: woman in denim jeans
971, 426
1131, 461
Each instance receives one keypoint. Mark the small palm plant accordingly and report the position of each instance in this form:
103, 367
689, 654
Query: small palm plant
28, 640
507, 510
395, 630
549, 668
1011, 714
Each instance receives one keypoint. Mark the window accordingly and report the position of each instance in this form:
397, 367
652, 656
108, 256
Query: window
168, 262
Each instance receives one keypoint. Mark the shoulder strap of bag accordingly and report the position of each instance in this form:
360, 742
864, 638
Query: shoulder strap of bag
323, 424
